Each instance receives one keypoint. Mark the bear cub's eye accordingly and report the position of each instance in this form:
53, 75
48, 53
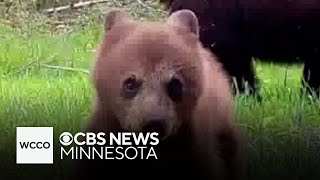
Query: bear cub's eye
131, 86
175, 89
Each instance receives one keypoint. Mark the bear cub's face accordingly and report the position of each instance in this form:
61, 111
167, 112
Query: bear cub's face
148, 73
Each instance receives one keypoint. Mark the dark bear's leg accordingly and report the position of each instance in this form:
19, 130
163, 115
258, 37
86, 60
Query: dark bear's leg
311, 75
241, 70
244, 76
229, 44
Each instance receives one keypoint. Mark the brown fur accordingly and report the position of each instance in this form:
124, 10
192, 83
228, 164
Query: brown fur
201, 138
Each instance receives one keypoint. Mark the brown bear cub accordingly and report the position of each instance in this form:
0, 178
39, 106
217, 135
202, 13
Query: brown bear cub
157, 77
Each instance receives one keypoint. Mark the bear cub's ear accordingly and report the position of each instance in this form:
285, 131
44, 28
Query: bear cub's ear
114, 17
185, 18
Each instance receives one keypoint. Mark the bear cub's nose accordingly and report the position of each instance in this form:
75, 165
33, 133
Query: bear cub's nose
156, 125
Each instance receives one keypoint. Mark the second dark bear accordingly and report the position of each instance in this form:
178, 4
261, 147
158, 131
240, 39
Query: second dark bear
275, 30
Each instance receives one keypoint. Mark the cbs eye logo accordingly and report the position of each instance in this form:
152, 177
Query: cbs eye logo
66, 138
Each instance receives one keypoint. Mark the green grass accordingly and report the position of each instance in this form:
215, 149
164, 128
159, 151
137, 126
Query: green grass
283, 131
33, 95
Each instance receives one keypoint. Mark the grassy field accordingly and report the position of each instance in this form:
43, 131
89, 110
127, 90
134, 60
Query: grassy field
45, 81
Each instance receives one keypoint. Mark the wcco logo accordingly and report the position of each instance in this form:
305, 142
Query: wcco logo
34, 145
